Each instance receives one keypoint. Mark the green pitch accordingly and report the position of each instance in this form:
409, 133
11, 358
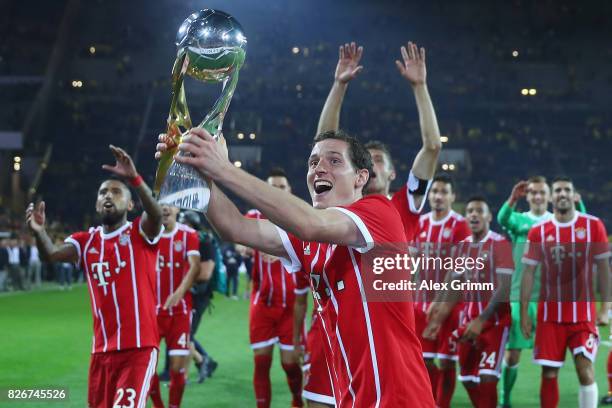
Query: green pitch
45, 341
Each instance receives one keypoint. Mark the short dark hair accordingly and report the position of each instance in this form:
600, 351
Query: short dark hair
378, 145
277, 172
536, 179
477, 198
120, 181
358, 153
563, 178
444, 178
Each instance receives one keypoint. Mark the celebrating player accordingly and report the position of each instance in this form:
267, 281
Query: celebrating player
371, 348
408, 201
271, 315
178, 266
119, 261
566, 246
437, 231
484, 332
517, 225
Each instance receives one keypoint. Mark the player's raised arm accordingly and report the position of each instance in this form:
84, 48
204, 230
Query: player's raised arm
413, 68
124, 167
506, 212
35, 220
348, 68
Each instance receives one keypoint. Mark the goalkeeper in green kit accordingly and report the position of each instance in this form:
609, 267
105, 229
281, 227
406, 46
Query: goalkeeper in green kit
517, 225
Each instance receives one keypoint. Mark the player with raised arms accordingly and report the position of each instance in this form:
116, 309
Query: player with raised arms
119, 260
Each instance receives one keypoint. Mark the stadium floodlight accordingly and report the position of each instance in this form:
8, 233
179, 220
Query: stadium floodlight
295, 50
92, 50
524, 91
444, 139
533, 91
515, 53
238, 163
240, 135
252, 136
17, 159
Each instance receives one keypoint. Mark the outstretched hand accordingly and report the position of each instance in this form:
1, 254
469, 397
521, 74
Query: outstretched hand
124, 167
348, 63
518, 191
413, 66
206, 154
35, 217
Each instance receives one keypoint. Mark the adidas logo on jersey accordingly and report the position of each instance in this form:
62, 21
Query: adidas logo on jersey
93, 251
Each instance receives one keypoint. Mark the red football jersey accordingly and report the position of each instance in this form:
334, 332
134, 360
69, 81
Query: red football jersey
567, 252
120, 270
371, 347
403, 201
496, 255
435, 239
272, 284
173, 264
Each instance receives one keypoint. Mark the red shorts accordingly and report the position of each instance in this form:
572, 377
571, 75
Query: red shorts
552, 339
269, 325
443, 347
175, 329
317, 384
121, 378
484, 355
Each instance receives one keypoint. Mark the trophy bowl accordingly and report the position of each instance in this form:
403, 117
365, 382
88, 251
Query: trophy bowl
215, 45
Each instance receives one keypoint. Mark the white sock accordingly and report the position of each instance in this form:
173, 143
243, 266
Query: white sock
587, 396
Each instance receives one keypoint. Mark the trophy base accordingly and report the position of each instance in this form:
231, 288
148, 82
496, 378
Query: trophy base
184, 188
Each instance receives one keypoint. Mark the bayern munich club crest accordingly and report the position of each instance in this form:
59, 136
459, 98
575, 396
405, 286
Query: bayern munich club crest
178, 246
580, 233
447, 233
124, 239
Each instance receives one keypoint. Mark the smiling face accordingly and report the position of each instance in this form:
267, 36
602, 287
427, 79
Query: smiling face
563, 196
478, 217
114, 201
538, 196
332, 179
385, 173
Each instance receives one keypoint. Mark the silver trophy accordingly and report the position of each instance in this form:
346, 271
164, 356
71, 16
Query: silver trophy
211, 48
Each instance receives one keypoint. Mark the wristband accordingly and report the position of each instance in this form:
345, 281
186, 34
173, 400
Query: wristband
136, 181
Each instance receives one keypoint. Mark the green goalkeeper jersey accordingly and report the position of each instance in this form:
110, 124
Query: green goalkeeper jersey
517, 225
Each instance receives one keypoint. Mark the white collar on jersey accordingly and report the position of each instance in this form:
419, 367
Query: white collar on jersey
546, 216
115, 232
471, 237
565, 224
443, 220
171, 233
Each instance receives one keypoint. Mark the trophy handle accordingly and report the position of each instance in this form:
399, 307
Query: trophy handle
179, 120
213, 121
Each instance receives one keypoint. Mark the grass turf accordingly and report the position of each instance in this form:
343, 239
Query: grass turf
45, 341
